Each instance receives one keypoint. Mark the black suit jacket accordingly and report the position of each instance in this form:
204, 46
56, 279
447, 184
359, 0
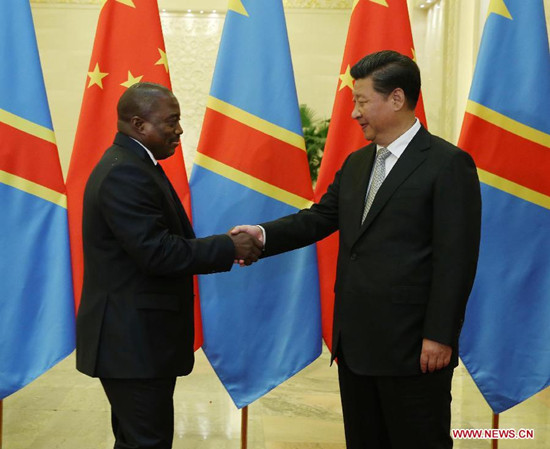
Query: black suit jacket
407, 272
136, 313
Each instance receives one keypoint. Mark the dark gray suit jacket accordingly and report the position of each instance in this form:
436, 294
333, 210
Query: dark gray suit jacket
407, 272
140, 253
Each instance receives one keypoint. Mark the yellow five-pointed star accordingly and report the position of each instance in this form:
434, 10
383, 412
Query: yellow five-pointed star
238, 7
163, 60
96, 76
499, 7
347, 79
131, 80
381, 2
124, 2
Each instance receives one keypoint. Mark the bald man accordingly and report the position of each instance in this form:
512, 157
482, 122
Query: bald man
135, 323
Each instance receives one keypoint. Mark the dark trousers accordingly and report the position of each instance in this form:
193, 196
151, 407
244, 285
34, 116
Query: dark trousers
142, 412
393, 412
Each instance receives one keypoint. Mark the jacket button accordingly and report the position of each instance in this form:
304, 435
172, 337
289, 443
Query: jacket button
353, 256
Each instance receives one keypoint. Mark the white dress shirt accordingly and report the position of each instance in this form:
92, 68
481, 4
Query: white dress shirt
397, 147
155, 162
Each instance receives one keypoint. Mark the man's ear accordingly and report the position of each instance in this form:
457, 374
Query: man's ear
398, 99
137, 123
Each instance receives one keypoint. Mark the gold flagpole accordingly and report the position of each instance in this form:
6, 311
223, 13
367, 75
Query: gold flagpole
1, 421
244, 427
494, 442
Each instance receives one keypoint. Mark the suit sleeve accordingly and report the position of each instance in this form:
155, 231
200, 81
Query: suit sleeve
132, 205
305, 227
455, 245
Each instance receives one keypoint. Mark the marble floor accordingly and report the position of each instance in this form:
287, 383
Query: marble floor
64, 409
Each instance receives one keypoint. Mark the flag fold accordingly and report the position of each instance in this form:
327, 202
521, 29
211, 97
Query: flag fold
261, 324
505, 342
36, 300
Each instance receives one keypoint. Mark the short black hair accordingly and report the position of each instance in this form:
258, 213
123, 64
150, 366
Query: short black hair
139, 99
389, 70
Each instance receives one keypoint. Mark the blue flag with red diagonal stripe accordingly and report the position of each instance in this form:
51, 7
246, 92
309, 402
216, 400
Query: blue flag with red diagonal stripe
36, 300
505, 342
261, 324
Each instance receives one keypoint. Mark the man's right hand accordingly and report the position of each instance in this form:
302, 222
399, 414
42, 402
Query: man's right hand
247, 247
256, 231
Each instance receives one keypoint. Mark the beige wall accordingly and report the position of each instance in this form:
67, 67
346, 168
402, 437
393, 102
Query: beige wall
446, 39
65, 36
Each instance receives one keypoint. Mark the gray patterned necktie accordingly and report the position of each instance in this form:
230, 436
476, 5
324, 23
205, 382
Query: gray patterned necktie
378, 176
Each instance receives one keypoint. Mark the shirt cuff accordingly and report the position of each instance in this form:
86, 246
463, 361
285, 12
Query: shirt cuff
263, 234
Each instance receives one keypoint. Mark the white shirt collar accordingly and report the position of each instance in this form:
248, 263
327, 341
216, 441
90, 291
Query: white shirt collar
155, 162
398, 145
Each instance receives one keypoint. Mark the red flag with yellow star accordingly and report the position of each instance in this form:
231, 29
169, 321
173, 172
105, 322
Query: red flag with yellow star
128, 48
375, 25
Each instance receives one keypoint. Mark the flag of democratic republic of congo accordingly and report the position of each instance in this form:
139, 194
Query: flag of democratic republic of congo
505, 343
36, 300
261, 324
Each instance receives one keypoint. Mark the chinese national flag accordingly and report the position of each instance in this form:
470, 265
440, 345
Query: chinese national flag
128, 48
375, 25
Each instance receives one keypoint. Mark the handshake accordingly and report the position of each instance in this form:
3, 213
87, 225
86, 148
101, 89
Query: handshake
249, 243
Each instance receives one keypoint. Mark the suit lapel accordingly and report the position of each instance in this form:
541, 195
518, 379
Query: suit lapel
413, 156
175, 202
177, 208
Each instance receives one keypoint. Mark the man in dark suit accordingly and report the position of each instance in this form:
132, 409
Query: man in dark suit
408, 210
135, 323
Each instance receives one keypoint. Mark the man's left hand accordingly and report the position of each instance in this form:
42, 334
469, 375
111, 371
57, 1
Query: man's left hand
434, 356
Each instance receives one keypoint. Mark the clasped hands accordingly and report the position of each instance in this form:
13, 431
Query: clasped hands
249, 243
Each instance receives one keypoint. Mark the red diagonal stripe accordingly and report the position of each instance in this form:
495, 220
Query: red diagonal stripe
30, 157
255, 153
506, 154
